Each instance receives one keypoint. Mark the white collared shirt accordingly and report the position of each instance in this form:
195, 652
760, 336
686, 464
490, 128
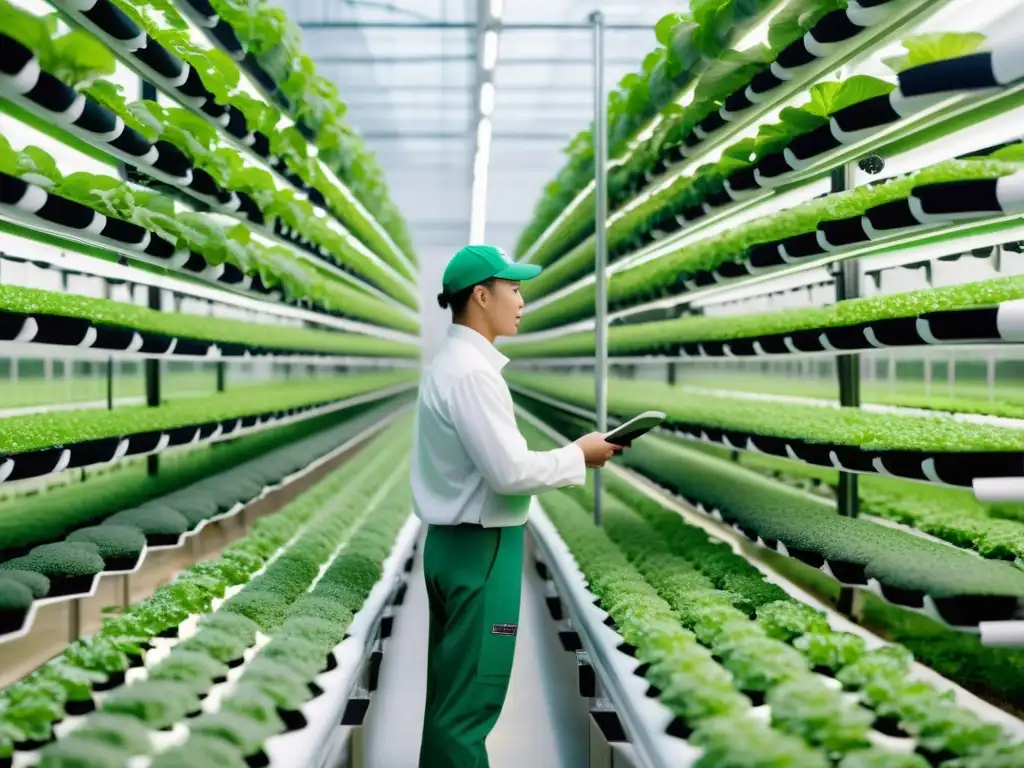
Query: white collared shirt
470, 464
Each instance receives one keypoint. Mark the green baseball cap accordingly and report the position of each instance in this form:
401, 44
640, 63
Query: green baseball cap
475, 263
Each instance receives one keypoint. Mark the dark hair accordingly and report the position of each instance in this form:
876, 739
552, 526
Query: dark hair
458, 300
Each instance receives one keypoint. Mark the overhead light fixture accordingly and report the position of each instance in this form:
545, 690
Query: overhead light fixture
490, 49
487, 99
478, 203
483, 134
497, 6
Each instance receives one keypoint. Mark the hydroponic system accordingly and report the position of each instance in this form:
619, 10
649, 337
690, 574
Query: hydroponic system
797, 230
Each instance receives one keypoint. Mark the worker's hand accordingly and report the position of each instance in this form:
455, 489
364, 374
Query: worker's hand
596, 450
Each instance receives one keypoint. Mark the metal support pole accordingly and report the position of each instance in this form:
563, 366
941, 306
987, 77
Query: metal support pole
220, 376
601, 242
153, 380
847, 275
110, 383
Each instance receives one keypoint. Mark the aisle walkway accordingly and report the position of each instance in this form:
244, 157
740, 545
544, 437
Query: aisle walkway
544, 722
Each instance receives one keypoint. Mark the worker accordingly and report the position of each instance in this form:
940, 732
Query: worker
472, 480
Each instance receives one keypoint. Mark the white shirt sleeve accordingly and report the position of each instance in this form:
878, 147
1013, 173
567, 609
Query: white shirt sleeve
481, 415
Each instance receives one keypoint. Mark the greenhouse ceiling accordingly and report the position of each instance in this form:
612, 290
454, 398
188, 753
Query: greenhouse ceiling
411, 75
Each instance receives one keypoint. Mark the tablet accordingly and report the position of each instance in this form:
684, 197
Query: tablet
635, 427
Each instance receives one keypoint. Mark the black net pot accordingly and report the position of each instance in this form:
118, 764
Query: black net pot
112, 20
813, 453
114, 680
125, 563
909, 598
774, 446
93, 452
971, 610
896, 331
162, 61
964, 325
78, 708
113, 337
69, 214
11, 325
848, 572
293, 719
906, 464
143, 442
12, 620
964, 467
63, 331
806, 556
51, 94
34, 463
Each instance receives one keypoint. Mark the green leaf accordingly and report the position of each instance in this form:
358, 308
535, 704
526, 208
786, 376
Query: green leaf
79, 58
830, 97
38, 164
32, 31
665, 27
937, 46
108, 195
730, 71
796, 19
111, 95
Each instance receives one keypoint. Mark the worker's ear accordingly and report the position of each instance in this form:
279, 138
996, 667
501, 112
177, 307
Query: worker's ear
480, 295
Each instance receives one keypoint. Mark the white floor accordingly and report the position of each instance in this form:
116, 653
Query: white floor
544, 723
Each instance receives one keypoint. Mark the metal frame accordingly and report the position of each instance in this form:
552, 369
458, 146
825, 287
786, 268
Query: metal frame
847, 277
601, 244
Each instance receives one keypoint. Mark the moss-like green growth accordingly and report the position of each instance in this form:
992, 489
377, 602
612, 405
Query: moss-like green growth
158, 704
14, 596
346, 595
37, 583
58, 561
152, 521
19, 434
356, 571
267, 609
30, 301
113, 541
325, 633
320, 607
640, 338
896, 558
287, 577
235, 624
835, 426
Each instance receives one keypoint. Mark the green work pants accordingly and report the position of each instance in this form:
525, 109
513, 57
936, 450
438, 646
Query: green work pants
474, 579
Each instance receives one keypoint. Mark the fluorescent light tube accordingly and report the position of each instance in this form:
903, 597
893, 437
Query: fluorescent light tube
490, 49
487, 99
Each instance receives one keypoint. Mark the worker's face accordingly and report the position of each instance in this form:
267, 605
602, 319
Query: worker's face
503, 306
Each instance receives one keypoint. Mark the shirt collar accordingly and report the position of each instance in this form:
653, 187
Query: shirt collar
489, 352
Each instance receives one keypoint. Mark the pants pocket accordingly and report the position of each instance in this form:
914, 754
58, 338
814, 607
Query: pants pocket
502, 593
